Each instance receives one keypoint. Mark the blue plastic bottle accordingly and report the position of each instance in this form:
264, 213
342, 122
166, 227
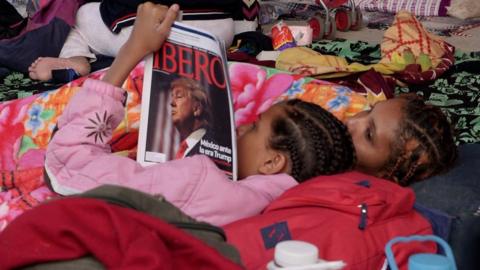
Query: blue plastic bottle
423, 261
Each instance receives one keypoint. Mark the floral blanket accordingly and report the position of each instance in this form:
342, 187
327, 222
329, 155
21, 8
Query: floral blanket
26, 124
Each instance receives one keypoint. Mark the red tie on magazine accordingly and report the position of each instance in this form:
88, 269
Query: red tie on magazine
181, 150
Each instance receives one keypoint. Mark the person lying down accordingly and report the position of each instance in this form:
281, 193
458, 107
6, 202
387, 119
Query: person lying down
291, 142
401, 139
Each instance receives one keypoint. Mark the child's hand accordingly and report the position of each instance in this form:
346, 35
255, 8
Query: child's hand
152, 27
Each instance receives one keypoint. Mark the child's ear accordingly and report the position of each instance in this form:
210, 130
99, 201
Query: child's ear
274, 163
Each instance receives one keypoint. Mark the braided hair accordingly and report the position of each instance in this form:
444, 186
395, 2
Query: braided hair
425, 144
317, 142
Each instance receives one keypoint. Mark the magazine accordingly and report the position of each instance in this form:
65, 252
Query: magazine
187, 105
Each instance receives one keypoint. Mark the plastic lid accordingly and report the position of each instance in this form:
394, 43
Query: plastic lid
429, 262
295, 253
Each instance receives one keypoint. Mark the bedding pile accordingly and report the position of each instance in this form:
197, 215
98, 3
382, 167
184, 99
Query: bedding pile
354, 76
26, 124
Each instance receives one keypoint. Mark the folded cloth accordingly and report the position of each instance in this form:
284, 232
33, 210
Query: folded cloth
409, 53
408, 34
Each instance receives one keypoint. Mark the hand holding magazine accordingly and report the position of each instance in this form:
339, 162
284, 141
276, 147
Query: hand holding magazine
186, 101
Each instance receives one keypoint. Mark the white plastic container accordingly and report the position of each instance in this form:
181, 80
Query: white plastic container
300, 255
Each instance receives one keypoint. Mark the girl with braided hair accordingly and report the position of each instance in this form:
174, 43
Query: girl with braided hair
403, 139
289, 143
310, 140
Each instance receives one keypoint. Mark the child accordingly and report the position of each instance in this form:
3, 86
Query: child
403, 139
291, 142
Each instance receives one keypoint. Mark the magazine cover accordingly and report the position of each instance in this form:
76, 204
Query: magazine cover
186, 102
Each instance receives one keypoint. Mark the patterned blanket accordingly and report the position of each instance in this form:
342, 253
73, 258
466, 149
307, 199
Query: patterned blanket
26, 124
15, 85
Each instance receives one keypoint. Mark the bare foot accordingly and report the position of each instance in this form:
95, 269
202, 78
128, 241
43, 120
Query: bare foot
41, 69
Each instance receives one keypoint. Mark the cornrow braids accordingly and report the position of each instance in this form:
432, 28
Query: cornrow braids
316, 142
425, 144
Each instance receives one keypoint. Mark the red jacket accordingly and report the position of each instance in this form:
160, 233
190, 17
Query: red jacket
327, 211
118, 237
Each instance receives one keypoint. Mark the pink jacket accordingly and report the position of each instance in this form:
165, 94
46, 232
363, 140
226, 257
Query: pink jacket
78, 158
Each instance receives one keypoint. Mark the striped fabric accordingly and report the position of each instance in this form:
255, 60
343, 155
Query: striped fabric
328, 3
250, 10
417, 7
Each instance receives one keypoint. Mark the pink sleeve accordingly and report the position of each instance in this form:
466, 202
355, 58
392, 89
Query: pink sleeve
78, 157
229, 201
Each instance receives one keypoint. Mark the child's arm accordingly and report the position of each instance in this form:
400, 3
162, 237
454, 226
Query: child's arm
78, 157
90, 117
151, 28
